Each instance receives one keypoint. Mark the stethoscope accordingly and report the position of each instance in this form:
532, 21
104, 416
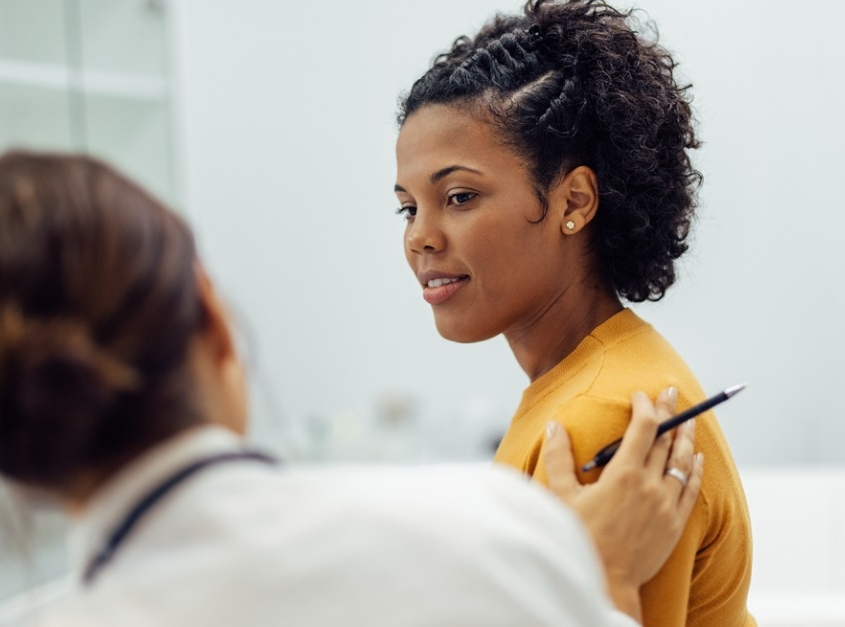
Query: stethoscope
143, 506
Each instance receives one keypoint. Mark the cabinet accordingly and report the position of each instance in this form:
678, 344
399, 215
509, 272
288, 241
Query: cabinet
90, 75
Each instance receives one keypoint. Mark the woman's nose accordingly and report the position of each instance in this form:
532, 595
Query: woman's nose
425, 234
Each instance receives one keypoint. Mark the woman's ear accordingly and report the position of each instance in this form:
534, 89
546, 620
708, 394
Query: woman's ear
216, 330
576, 196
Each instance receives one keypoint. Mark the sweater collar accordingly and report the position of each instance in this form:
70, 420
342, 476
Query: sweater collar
617, 328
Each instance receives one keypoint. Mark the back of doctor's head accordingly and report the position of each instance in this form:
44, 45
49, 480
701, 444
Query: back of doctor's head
98, 302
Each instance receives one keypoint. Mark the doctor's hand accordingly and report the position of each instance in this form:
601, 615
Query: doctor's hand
635, 511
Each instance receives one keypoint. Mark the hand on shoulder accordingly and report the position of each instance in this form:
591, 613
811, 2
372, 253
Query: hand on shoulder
649, 484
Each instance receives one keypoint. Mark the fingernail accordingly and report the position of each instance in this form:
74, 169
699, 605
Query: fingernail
551, 429
699, 459
690, 424
672, 394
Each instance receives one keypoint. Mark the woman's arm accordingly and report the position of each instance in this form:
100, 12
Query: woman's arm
633, 488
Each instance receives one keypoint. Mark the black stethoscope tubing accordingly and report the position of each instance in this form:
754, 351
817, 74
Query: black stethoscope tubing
143, 506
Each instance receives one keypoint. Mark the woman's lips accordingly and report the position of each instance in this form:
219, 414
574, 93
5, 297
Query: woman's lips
438, 291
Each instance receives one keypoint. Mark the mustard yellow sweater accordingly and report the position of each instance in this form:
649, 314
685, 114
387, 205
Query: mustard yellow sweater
705, 582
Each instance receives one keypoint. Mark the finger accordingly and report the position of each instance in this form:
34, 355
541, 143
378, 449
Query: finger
690, 493
560, 464
665, 403
664, 408
681, 457
683, 447
639, 436
658, 456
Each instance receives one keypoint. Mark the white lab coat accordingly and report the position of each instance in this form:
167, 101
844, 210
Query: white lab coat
244, 544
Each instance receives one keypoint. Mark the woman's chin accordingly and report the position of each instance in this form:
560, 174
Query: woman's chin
461, 332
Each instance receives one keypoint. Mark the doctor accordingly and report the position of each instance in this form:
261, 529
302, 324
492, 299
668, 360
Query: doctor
122, 397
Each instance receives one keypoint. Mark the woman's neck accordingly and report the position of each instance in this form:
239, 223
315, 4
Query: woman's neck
554, 334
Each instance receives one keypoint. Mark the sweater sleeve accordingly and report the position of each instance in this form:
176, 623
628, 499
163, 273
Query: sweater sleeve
705, 580
722, 568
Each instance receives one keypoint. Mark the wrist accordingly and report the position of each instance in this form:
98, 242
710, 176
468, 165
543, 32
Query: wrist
626, 598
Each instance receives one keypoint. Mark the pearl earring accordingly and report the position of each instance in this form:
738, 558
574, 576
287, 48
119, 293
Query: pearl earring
570, 224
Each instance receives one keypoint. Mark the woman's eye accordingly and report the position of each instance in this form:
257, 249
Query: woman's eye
407, 212
461, 198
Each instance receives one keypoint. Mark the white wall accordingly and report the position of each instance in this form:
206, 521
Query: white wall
288, 130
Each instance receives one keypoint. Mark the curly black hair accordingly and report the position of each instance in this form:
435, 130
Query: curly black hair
575, 83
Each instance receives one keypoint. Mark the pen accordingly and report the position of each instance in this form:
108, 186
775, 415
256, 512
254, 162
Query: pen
605, 455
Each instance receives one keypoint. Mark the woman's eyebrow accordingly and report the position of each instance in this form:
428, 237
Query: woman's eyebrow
442, 173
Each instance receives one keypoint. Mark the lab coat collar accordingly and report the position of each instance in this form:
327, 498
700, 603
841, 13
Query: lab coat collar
118, 495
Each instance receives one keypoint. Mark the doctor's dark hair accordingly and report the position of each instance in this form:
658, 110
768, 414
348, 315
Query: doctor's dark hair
574, 83
98, 302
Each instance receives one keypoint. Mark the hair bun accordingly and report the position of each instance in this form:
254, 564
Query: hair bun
56, 384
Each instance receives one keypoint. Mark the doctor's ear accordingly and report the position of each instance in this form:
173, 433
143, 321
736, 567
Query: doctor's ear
576, 198
216, 328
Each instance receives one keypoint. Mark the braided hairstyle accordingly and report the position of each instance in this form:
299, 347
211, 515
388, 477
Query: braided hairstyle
571, 84
98, 303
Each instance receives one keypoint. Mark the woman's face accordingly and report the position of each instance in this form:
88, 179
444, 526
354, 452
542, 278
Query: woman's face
484, 262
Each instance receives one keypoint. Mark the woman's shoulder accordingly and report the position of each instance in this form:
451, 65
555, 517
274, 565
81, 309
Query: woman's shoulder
623, 354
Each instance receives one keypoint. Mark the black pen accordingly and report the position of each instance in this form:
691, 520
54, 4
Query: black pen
605, 455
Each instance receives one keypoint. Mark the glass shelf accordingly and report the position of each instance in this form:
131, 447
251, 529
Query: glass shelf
25, 73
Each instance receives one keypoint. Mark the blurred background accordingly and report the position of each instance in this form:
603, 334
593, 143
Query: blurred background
271, 125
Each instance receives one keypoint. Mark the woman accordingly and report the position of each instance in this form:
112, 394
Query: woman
543, 169
122, 397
